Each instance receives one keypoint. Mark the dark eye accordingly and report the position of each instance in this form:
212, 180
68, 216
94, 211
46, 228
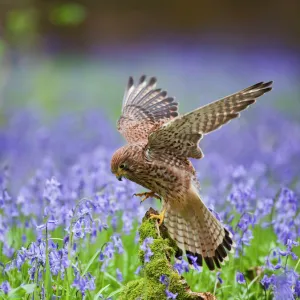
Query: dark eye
122, 166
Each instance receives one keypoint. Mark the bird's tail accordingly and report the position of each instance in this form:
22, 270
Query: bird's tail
197, 231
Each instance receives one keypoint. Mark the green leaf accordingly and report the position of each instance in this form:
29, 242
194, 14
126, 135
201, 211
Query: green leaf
19, 291
29, 288
223, 287
113, 279
96, 297
91, 261
68, 14
115, 292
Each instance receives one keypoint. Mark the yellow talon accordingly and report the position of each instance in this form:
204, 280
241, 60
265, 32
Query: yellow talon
160, 217
147, 195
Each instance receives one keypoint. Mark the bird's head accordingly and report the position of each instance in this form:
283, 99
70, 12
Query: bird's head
120, 163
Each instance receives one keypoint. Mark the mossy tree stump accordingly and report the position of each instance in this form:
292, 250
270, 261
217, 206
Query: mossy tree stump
163, 248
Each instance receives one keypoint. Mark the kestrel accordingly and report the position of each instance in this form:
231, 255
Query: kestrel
160, 143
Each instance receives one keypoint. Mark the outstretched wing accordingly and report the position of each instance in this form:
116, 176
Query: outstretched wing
181, 135
145, 108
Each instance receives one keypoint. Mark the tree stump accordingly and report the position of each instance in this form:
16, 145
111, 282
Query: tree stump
163, 248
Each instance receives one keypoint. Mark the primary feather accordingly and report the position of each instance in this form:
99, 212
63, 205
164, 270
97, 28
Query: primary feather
144, 109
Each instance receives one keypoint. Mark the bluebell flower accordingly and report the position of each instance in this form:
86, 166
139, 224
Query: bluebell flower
145, 247
84, 283
170, 295
127, 222
78, 231
5, 287
193, 260
66, 239
31, 273
148, 254
58, 261
109, 250
279, 264
101, 256
8, 251
147, 241
119, 275
245, 221
164, 280
138, 270
264, 207
52, 191
117, 243
20, 259
240, 278
219, 277
267, 281
181, 266
297, 288
283, 287
286, 210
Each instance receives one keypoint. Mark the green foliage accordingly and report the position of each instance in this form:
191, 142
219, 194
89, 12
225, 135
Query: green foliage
148, 284
21, 22
68, 14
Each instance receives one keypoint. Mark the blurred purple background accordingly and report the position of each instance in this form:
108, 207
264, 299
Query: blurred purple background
64, 67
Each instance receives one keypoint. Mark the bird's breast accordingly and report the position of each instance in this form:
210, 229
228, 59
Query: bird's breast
166, 181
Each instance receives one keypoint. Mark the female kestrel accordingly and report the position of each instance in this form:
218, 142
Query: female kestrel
160, 143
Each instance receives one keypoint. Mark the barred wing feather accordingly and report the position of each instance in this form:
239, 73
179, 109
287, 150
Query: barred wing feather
145, 108
181, 135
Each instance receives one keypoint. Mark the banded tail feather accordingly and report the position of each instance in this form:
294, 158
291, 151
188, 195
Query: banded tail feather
201, 235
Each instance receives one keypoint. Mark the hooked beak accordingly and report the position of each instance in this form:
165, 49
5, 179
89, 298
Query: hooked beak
119, 177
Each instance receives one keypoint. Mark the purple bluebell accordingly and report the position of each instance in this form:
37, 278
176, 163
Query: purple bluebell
87, 282
170, 295
164, 280
148, 254
117, 241
52, 190
267, 281
119, 275
283, 287
5, 287
109, 250
193, 259
58, 261
181, 266
145, 247
219, 277
297, 288
32, 273
101, 256
240, 278
138, 270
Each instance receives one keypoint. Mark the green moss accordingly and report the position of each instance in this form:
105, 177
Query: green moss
133, 289
149, 286
148, 229
156, 268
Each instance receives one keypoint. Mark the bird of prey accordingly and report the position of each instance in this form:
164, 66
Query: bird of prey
160, 143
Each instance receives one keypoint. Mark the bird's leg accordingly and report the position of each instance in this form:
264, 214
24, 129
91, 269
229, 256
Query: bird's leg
147, 195
160, 217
